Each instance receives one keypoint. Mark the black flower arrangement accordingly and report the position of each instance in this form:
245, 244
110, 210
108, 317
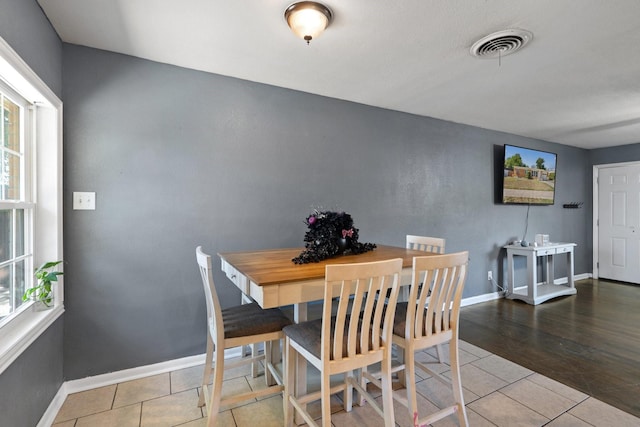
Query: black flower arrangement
330, 234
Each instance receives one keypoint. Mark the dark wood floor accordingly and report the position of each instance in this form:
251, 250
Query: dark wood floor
589, 341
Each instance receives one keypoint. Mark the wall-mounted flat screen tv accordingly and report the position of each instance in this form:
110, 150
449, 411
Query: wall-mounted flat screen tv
529, 176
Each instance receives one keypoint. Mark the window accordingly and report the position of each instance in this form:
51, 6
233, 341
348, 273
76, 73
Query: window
16, 207
30, 200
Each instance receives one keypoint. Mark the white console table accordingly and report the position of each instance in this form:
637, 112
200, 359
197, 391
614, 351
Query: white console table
535, 292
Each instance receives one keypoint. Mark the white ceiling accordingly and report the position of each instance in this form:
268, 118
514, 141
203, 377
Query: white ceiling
576, 83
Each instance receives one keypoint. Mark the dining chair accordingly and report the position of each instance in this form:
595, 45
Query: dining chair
437, 282
346, 342
235, 327
425, 243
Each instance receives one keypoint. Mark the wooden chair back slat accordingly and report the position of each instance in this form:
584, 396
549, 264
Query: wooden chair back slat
442, 278
358, 288
432, 314
426, 244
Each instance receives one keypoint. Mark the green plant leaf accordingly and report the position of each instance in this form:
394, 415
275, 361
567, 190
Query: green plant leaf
49, 264
27, 294
52, 276
43, 290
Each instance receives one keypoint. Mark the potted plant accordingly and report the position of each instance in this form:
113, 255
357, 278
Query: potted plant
43, 292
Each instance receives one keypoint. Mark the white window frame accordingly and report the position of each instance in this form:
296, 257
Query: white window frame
27, 184
19, 330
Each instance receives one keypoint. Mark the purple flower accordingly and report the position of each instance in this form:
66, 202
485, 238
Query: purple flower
311, 220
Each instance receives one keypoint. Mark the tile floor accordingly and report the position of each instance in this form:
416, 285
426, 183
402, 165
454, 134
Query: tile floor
497, 393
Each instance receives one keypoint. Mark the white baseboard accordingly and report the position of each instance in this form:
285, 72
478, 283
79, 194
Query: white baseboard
88, 383
49, 415
563, 280
481, 298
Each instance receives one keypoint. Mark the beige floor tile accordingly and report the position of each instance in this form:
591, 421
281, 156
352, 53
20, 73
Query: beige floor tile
538, 398
185, 379
403, 418
225, 419
265, 413
475, 420
171, 410
478, 381
559, 388
127, 416
142, 389
440, 394
568, 420
70, 423
232, 387
464, 356
202, 422
426, 408
359, 416
257, 383
86, 403
431, 362
502, 368
315, 409
239, 371
505, 412
475, 350
600, 414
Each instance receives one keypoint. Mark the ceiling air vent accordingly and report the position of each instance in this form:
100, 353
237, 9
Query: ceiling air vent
501, 43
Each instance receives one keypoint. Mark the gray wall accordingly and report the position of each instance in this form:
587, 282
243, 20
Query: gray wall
619, 154
27, 30
29, 384
180, 158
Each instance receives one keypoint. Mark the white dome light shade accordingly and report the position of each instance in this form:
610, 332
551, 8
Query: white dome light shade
307, 19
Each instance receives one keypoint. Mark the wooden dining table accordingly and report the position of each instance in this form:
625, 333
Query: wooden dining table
272, 279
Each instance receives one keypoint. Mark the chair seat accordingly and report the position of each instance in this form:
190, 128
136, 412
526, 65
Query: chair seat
251, 319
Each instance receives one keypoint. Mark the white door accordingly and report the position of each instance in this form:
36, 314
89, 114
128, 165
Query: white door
619, 223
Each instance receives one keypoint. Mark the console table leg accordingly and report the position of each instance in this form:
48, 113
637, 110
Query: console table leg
551, 274
532, 272
570, 271
510, 273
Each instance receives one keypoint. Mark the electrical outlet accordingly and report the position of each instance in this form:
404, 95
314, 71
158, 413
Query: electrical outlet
84, 201
489, 275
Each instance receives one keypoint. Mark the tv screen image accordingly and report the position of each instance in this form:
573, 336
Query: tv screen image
529, 176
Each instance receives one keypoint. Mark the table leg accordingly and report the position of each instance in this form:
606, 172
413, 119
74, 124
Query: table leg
300, 314
551, 272
570, 269
510, 284
532, 272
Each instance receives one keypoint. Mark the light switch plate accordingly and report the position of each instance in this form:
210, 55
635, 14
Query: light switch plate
84, 201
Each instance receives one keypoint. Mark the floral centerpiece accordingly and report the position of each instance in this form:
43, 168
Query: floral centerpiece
330, 234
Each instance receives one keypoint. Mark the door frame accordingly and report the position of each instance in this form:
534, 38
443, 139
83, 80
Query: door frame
596, 205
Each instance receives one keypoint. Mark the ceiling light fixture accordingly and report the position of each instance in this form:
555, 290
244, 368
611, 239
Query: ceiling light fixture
308, 19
